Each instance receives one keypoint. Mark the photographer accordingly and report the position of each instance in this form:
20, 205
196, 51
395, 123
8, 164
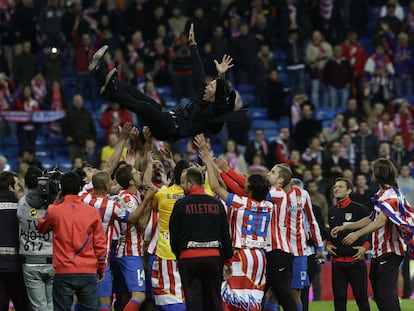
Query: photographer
35, 247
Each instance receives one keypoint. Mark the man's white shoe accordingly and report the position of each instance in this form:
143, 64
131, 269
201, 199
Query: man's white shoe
99, 54
108, 78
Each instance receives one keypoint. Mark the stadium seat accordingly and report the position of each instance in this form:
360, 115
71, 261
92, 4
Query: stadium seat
264, 124
257, 113
245, 88
164, 91
409, 98
248, 98
324, 113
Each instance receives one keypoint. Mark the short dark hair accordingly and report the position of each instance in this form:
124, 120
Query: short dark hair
100, 179
7, 180
180, 166
259, 185
31, 176
385, 172
194, 175
70, 183
348, 183
124, 175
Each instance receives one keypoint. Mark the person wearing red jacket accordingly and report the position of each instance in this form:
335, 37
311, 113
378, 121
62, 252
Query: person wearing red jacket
113, 117
79, 250
356, 54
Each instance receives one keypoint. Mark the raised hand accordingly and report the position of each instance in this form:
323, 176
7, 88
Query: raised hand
226, 64
125, 131
201, 142
147, 134
222, 164
191, 35
130, 157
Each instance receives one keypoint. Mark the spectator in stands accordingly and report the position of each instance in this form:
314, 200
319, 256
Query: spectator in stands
157, 17
77, 126
39, 88
403, 59
313, 153
91, 154
347, 149
406, 183
352, 127
208, 57
307, 127
238, 131
379, 71
318, 198
390, 21
385, 129
151, 91
177, 22
283, 146
334, 131
4, 166
297, 166
355, 53
24, 21
295, 62
408, 24
399, 154
262, 31
201, 24
29, 157
330, 18
333, 164
25, 65
362, 192
234, 158
180, 58
110, 39
352, 111
27, 130
384, 150
159, 71
318, 52
398, 10
259, 145
124, 71
366, 144
219, 42
356, 16
258, 165
275, 97
403, 119
338, 76
263, 64
295, 109
324, 184
74, 9
114, 116
243, 49
50, 23
84, 50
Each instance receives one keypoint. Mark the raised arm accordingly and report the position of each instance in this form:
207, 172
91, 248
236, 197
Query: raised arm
214, 183
124, 133
199, 76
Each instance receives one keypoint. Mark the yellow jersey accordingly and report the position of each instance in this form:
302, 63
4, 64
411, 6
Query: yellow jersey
165, 200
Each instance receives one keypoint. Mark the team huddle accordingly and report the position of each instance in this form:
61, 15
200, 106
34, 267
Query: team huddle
225, 250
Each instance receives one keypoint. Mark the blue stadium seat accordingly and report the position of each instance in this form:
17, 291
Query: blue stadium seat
409, 98
257, 113
164, 90
245, 88
264, 124
324, 113
248, 98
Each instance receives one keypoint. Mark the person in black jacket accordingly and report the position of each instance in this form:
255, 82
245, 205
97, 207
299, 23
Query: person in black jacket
348, 264
206, 112
200, 239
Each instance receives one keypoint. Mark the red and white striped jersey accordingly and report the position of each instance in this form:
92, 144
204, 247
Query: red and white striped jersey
278, 238
151, 233
301, 221
110, 212
387, 239
131, 239
249, 221
87, 188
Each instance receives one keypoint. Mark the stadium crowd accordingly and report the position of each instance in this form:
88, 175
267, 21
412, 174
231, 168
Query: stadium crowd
297, 59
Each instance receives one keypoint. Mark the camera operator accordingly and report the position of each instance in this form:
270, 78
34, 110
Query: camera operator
11, 277
35, 247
